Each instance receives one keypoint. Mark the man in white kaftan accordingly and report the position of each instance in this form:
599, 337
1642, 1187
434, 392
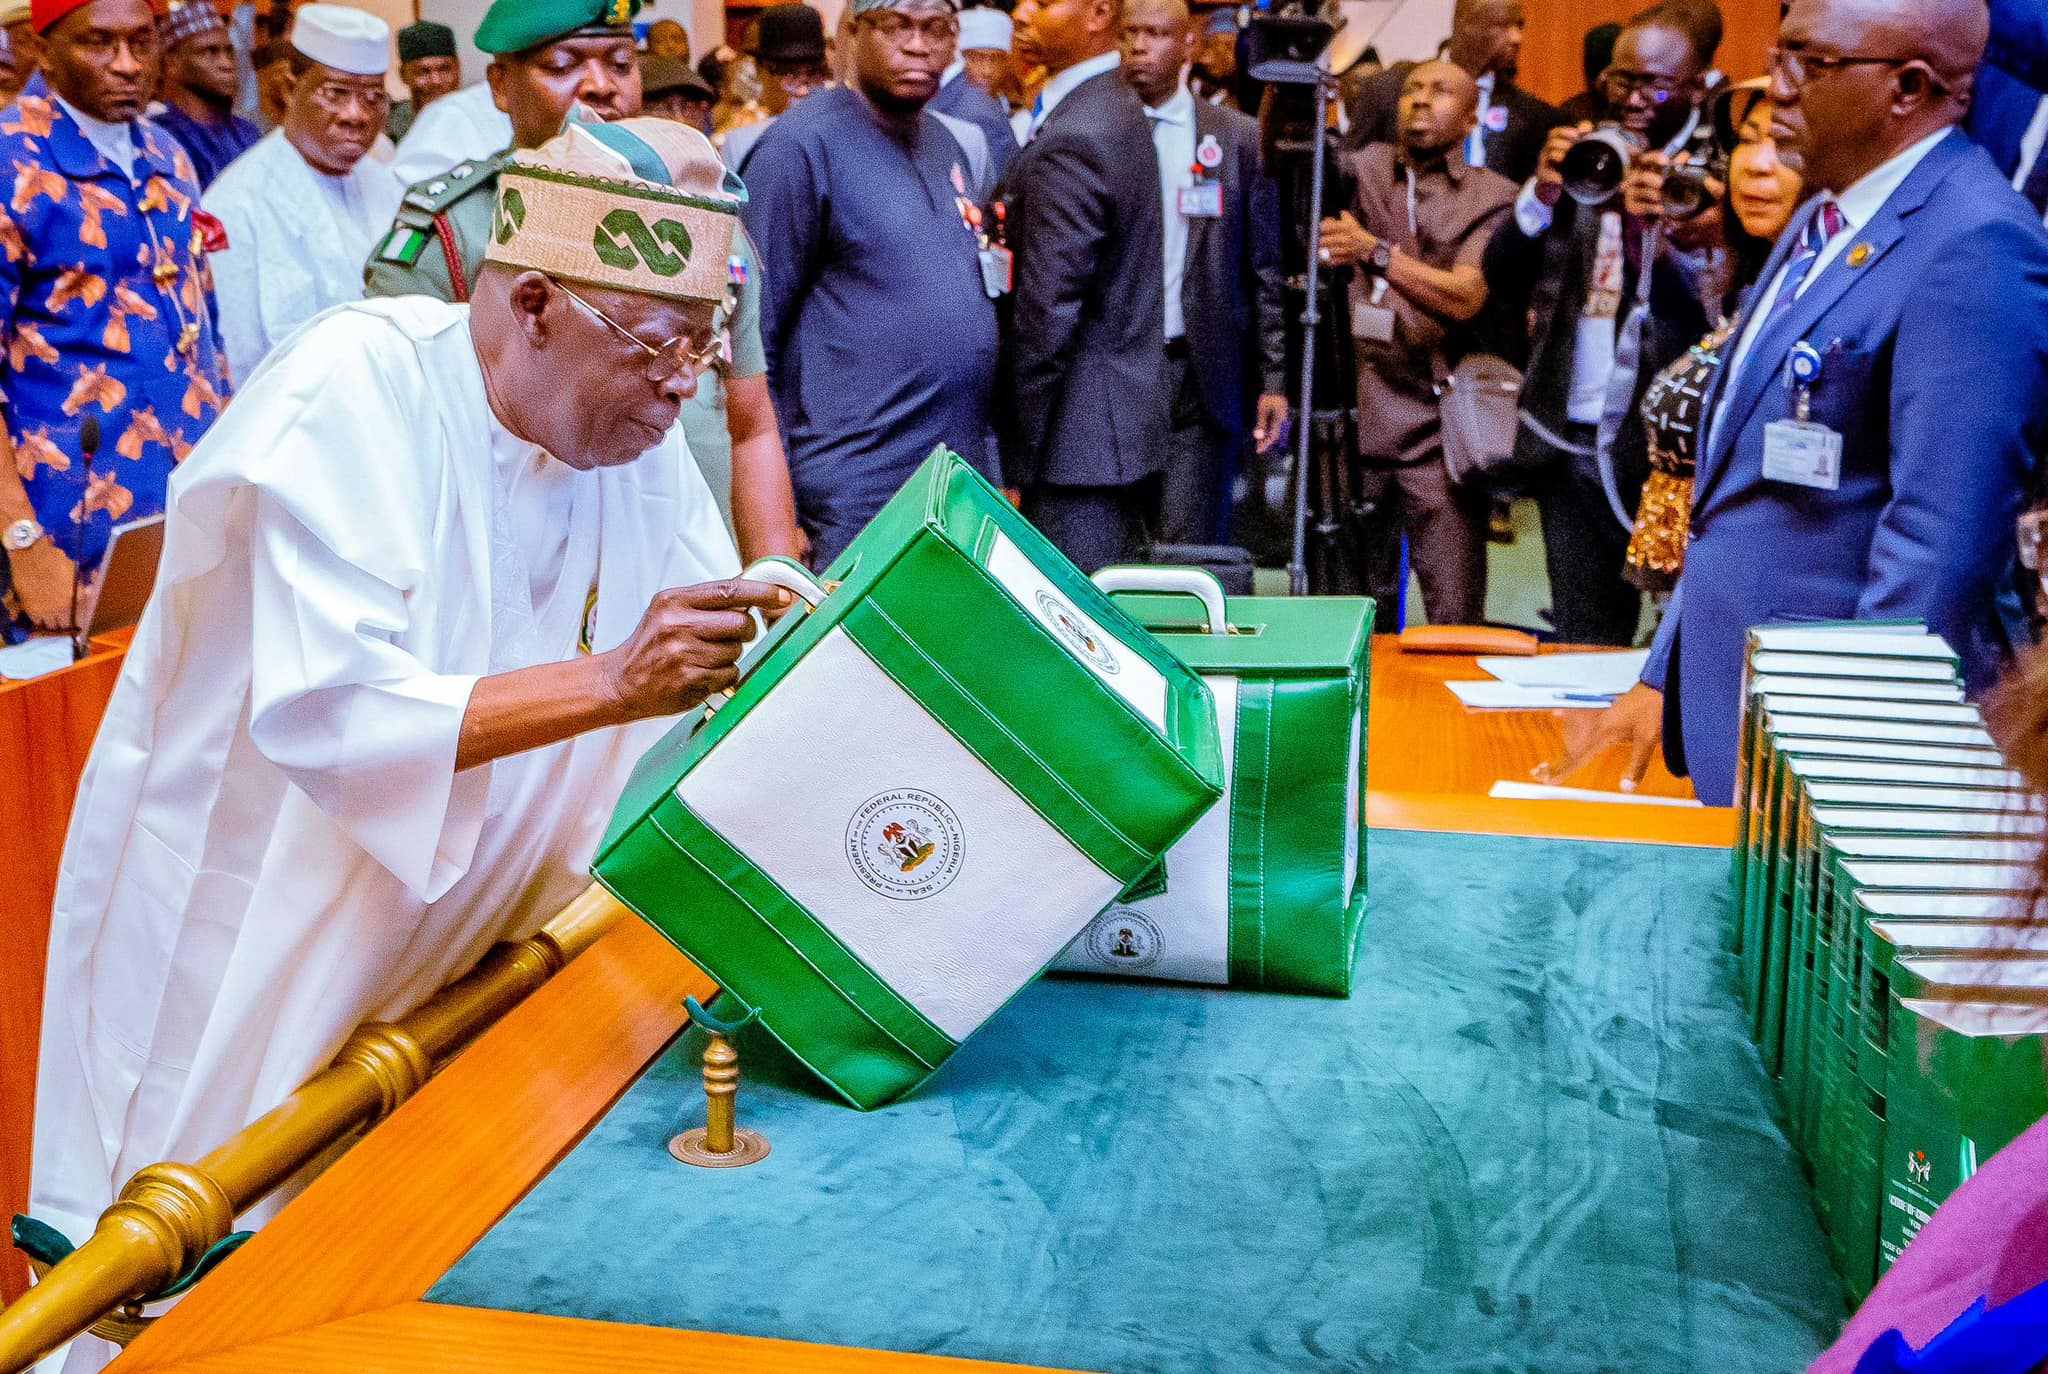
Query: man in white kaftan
305, 205
296, 817
467, 126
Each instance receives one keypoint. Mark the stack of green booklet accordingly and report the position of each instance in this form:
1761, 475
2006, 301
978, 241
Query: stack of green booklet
1884, 859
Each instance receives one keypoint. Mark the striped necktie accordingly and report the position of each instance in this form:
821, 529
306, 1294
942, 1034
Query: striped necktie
1037, 117
1820, 230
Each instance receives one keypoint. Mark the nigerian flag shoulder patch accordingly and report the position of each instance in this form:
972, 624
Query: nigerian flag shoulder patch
403, 246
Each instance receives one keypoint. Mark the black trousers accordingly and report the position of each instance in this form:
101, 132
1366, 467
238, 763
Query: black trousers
1585, 548
1192, 494
1095, 527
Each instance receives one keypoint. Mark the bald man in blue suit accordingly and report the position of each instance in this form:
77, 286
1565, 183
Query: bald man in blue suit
1917, 281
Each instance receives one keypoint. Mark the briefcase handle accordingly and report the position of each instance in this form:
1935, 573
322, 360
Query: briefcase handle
1194, 582
793, 578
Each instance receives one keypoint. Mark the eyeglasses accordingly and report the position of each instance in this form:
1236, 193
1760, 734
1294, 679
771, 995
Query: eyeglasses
334, 97
1622, 84
897, 28
670, 358
1797, 65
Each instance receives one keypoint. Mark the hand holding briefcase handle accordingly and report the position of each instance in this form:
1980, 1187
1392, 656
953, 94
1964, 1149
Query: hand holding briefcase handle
775, 572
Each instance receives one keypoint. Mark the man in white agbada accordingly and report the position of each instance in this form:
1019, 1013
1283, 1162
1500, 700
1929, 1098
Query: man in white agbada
304, 206
467, 126
355, 743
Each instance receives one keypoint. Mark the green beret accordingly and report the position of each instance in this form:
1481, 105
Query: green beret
516, 25
416, 41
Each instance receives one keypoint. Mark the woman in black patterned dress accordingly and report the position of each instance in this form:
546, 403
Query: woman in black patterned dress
1761, 196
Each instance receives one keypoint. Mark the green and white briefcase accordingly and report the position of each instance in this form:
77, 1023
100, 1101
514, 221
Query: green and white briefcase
1268, 889
923, 788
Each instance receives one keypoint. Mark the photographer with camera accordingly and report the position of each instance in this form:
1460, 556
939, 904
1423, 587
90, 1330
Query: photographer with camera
1418, 225
1610, 299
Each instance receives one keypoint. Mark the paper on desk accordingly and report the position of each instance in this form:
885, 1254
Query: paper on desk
1530, 791
1488, 695
35, 657
1609, 674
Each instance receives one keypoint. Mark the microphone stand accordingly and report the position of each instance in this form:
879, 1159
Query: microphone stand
88, 444
1311, 319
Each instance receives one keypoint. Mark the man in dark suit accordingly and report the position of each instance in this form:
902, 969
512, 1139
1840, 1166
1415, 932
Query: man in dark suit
1486, 40
1909, 291
1085, 413
1226, 339
2009, 108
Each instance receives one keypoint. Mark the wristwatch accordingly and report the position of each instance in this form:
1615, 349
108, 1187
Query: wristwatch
22, 534
1382, 257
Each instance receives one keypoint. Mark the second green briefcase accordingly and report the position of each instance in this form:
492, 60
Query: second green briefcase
1268, 889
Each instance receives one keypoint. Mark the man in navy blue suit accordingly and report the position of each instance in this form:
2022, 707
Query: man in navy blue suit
2009, 110
1873, 435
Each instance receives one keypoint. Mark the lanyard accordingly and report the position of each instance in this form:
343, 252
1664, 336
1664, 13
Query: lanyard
1414, 230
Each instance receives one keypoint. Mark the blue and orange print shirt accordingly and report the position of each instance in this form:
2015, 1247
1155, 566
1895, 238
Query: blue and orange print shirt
106, 308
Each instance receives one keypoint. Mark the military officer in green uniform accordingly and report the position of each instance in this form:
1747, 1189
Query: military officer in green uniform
548, 56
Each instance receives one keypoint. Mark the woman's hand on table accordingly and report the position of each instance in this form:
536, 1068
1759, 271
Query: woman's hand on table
1635, 721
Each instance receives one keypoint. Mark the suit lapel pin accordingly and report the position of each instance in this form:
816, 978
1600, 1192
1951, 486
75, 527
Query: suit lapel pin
1859, 255
1209, 155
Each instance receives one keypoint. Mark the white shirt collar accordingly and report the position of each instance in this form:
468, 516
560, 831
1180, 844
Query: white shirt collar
1861, 202
1061, 86
1178, 108
957, 66
115, 142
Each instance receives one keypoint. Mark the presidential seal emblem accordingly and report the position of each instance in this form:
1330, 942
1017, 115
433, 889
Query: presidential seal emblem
1084, 641
1123, 940
905, 844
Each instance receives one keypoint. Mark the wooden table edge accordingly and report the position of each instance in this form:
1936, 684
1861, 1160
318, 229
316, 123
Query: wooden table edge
1455, 813
432, 1338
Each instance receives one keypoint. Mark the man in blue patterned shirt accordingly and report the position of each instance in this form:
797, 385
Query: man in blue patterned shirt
106, 303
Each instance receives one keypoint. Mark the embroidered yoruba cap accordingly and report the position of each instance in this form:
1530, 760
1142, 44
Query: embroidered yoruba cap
984, 28
344, 38
640, 205
516, 25
189, 19
425, 39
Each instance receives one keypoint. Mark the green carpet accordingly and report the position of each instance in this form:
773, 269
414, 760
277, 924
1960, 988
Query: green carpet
1537, 1139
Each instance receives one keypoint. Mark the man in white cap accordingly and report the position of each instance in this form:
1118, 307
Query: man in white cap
428, 592
304, 206
986, 34
964, 96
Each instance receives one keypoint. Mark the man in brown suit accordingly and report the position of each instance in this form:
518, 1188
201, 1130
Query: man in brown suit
1418, 226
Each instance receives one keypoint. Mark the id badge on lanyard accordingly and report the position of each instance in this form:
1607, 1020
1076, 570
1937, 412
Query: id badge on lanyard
1801, 451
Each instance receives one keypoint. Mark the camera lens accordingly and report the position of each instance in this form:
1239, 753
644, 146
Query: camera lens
1595, 166
1685, 192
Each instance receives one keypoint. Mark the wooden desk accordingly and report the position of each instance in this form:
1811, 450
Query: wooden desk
46, 730
1431, 763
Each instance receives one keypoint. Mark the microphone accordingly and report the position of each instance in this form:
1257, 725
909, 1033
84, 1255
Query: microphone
88, 444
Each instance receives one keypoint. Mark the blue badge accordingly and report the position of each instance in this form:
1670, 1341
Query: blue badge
1802, 368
